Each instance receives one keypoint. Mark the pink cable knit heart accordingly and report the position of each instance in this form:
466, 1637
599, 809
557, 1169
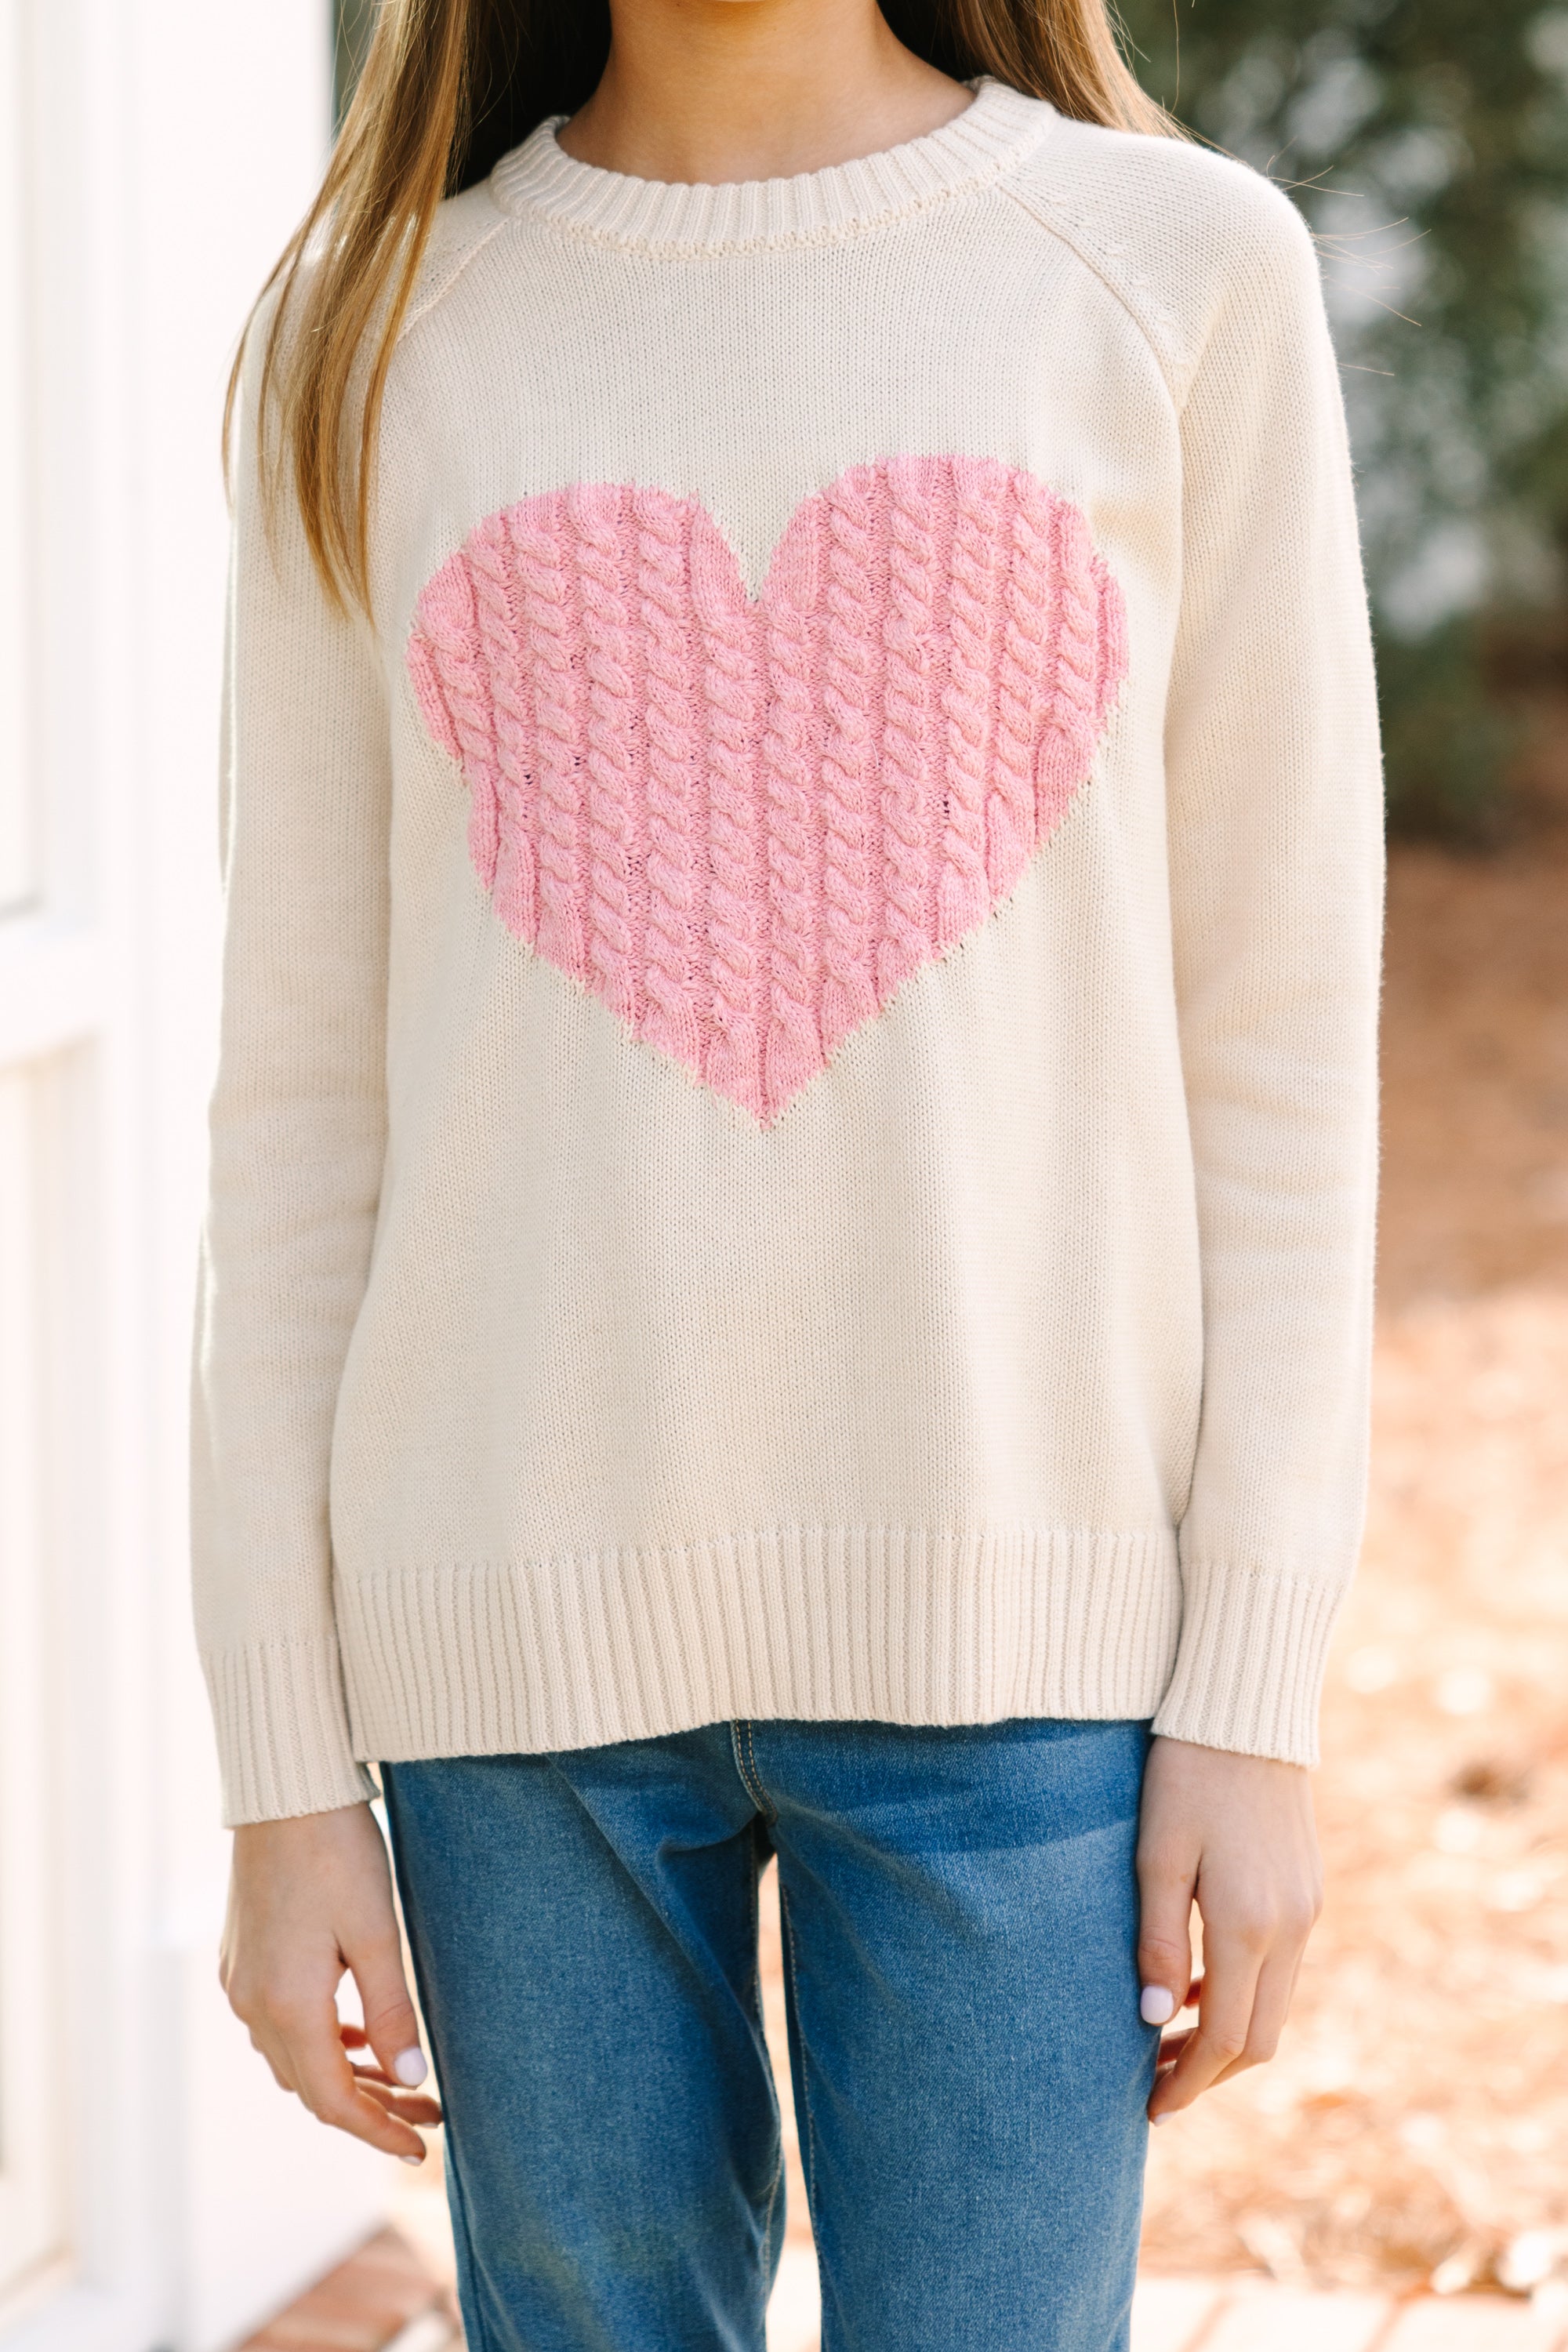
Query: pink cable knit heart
744, 822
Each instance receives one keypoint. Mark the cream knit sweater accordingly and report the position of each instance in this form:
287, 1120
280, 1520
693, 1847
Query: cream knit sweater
795, 1130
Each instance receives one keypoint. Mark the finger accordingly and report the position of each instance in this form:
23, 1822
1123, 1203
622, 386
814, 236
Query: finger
1276, 1991
1164, 1935
353, 2038
396, 2096
325, 2081
363, 2058
356, 2042
1270, 2007
1176, 2038
414, 2107
1235, 1960
391, 2027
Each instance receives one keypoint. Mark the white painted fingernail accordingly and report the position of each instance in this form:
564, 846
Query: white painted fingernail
1155, 2120
413, 2159
1156, 2007
411, 2068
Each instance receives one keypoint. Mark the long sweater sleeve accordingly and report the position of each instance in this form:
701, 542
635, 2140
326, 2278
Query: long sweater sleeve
1275, 849
298, 1127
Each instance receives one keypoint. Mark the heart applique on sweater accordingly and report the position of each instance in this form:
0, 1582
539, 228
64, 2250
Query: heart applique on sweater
744, 822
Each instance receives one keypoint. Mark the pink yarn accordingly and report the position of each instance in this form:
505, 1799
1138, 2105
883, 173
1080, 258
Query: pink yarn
677, 1007
617, 779
724, 623
504, 841
744, 822
843, 522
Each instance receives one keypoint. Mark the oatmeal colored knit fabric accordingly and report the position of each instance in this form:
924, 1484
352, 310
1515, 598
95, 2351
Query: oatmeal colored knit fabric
794, 1133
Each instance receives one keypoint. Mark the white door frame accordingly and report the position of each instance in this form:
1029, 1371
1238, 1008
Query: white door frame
169, 146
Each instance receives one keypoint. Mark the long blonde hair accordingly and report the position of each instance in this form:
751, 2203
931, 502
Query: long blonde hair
448, 87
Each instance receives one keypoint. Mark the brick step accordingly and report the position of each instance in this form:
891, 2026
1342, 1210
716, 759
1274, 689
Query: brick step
390, 2298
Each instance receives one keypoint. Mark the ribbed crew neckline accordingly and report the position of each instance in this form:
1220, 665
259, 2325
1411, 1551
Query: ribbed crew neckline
993, 132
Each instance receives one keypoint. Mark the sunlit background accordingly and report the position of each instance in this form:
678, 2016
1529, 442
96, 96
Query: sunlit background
1398, 2181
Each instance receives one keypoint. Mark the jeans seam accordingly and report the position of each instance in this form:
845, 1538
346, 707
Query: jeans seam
458, 2204
747, 1769
770, 1811
768, 2223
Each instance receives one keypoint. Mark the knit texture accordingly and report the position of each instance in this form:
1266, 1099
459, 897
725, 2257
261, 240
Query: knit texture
745, 823
796, 1125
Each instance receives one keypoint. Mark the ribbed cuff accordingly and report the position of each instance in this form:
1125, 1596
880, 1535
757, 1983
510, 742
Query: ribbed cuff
1249, 1663
282, 1731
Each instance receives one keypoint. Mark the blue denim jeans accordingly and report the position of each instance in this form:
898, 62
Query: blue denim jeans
970, 2067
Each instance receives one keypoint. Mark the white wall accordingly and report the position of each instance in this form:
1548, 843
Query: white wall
167, 148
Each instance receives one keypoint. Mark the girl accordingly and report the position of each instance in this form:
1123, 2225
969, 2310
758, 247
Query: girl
789, 1259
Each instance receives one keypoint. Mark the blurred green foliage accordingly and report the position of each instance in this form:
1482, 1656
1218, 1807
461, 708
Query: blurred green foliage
353, 24
1426, 142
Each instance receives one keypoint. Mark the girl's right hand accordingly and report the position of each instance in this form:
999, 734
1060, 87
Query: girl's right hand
309, 1899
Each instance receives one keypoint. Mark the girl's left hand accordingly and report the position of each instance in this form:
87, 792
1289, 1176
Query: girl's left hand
1236, 1834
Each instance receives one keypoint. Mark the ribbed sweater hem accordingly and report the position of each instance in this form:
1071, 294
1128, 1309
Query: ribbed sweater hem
888, 1624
